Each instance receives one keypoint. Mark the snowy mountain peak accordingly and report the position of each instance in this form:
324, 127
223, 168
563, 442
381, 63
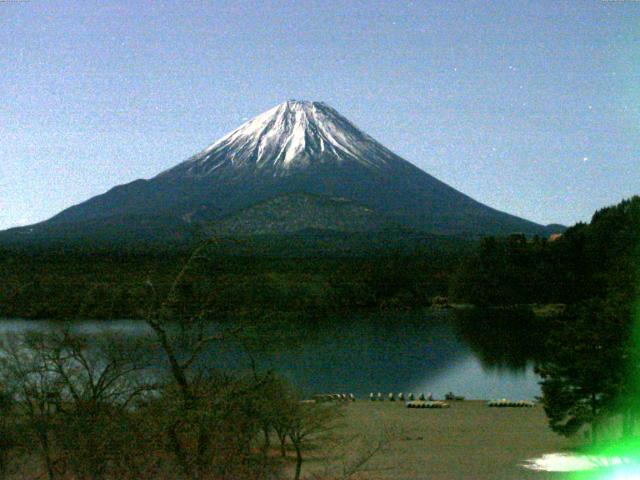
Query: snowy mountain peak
279, 169
284, 139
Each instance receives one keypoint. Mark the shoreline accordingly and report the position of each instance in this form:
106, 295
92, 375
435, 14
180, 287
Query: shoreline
466, 441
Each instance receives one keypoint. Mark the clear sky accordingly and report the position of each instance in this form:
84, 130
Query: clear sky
531, 107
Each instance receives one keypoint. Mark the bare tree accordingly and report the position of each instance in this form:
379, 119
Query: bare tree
356, 453
72, 394
7, 429
24, 371
309, 423
183, 334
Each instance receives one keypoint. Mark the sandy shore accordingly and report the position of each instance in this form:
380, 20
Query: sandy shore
467, 441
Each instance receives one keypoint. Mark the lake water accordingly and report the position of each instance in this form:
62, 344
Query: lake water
417, 353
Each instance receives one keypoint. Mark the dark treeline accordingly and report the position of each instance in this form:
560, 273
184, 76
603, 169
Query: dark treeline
594, 260
237, 276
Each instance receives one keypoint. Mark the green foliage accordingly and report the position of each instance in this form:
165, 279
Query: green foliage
597, 260
584, 373
513, 270
591, 371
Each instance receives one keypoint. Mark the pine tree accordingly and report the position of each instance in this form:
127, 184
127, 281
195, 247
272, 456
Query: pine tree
585, 374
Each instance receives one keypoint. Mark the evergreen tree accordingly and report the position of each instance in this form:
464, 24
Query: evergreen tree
583, 377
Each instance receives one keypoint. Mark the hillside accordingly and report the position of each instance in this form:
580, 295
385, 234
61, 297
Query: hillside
300, 212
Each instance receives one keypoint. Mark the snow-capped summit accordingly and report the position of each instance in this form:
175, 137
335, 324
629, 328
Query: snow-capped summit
295, 160
289, 136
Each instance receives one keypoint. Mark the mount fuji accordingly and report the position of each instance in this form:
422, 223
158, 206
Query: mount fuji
305, 151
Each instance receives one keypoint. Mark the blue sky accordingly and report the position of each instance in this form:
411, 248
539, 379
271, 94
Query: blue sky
531, 107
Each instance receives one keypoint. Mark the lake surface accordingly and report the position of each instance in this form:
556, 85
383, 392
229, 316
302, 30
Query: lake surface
416, 352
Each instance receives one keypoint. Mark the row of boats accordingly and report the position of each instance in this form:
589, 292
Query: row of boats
423, 401
400, 397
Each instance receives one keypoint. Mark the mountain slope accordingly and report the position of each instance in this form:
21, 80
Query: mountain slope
296, 147
294, 213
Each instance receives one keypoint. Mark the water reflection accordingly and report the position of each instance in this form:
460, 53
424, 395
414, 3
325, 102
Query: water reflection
127, 327
414, 352
503, 338
471, 378
380, 353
